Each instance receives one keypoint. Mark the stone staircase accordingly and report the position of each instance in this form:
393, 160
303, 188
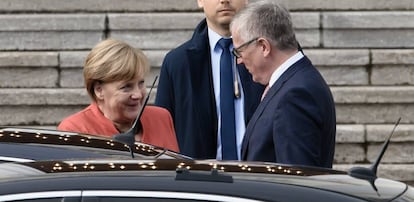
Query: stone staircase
363, 48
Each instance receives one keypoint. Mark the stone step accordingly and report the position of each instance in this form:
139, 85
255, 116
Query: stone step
347, 96
329, 58
96, 5
167, 30
401, 172
355, 105
397, 152
8, 6
52, 22
339, 67
49, 40
125, 21
379, 109
29, 59
373, 94
368, 20
187, 20
42, 97
348, 5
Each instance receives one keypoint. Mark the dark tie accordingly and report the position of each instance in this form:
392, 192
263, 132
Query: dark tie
228, 126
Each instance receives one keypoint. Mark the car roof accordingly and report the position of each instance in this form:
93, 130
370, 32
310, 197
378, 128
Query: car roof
22, 145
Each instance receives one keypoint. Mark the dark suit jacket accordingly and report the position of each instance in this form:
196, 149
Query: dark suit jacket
295, 123
186, 89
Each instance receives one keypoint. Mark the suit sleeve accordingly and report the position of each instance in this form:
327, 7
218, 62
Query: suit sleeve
165, 95
296, 129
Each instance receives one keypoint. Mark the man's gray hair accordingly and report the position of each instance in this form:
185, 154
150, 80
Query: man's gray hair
266, 19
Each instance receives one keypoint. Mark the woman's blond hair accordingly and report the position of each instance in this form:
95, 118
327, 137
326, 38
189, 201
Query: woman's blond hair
113, 60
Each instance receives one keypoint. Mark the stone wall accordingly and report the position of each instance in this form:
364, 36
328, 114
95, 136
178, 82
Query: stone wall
363, 48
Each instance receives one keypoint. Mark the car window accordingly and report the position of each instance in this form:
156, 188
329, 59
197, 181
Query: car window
134, 199
46, 196
155, 196
59, 199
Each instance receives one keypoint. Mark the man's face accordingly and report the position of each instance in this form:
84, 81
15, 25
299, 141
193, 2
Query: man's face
250, 56
220, 12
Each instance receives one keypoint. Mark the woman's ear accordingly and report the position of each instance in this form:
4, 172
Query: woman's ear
97, 89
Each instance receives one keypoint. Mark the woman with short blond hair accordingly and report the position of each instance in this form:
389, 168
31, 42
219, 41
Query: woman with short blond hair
114, 74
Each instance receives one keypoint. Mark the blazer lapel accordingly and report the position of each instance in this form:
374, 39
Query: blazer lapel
262, 106
252, 92
201, 85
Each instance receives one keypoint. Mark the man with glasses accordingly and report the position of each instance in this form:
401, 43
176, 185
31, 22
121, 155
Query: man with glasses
237, 51
295, 122
209, 96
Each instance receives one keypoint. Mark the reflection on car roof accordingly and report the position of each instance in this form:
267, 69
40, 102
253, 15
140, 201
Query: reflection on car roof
36, 144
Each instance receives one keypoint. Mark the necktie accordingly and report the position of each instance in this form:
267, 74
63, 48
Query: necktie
228, 126
265, 92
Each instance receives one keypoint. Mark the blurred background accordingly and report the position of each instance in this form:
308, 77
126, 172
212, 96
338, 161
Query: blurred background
363, 48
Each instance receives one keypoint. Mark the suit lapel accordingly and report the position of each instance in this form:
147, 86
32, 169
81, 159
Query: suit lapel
200, 66
252, 92
262, 106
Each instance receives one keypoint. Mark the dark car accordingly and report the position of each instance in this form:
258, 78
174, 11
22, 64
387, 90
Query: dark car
107, 172
173, 180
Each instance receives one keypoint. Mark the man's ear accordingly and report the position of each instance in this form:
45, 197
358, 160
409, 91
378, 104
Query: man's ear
200, 3
265, 46
97, 89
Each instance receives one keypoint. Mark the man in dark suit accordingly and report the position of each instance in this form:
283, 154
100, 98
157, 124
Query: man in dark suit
295, 122
189, 85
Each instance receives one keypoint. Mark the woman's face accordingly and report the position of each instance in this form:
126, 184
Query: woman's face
120, 101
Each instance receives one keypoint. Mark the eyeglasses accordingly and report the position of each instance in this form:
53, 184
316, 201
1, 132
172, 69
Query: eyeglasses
237, 52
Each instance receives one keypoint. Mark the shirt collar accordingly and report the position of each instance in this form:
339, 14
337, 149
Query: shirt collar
213, 38
282, 68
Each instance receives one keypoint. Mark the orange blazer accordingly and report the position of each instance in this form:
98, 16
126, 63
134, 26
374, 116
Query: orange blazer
158, 128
